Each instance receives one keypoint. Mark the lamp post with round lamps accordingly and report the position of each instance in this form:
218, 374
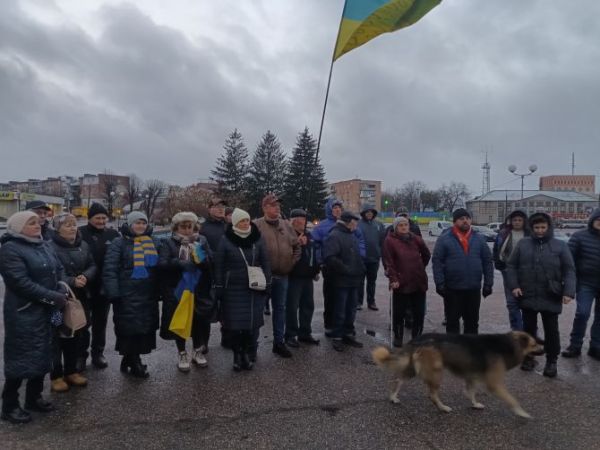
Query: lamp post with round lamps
513, 169
111, 200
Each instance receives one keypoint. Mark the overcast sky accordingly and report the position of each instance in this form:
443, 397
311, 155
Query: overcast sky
154, 87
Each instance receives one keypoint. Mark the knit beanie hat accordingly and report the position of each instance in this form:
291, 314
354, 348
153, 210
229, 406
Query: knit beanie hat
237, 215
59, 220
399, 220
96, 208
134, 216
17, 221
460, 212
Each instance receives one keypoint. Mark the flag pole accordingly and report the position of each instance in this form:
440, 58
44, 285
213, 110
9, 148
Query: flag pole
316, 161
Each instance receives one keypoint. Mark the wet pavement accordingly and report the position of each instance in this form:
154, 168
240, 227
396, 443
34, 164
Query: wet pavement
317, 399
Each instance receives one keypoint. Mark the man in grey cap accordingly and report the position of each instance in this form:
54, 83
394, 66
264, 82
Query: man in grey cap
345, 265
300, 300
44, 212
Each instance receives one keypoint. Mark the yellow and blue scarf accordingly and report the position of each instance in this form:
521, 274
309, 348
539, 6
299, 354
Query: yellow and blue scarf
144, 255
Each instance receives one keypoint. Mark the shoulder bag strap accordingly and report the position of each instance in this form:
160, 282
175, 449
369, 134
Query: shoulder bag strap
243, 256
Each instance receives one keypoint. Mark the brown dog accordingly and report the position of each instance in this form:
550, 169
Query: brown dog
481, 358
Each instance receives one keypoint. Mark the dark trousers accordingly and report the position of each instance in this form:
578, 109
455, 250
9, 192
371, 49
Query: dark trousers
65, 353
300, 307
371, 276
242, 340
99, 309
345, 311
200, 335
413, 302
329, 294
462, 304
551, 332
10, 393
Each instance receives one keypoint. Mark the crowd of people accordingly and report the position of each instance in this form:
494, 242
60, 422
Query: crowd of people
241, 270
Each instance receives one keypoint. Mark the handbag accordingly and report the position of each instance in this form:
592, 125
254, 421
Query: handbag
73, 314
256, 277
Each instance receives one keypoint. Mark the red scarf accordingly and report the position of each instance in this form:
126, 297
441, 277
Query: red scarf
463, 238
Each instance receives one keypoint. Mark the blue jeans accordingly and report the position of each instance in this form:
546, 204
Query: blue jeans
585, 299
300, 307
515, 315
346, 299
279, 288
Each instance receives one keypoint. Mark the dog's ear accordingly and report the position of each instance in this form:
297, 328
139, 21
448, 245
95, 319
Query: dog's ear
523, 339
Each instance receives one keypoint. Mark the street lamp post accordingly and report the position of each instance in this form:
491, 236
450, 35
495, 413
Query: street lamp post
147, 197
513, 169
111, 199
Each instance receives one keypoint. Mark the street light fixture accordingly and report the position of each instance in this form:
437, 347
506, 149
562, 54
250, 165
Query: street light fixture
110, 204
513, 169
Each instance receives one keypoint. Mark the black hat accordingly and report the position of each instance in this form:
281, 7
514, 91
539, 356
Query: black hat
37, 204
95, 209
460, 212
298, 212
348, 216
215, 201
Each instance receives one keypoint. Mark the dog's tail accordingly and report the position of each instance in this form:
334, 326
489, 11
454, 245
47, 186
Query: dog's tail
388, 360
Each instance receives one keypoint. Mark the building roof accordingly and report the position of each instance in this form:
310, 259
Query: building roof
515, 195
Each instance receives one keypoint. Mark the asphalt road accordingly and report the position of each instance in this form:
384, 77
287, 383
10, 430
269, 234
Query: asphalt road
317, 399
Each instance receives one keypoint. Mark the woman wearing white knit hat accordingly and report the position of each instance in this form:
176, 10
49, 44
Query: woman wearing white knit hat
241, 307
31, 272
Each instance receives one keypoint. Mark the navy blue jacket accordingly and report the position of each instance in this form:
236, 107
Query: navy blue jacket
344, 263
585, 248
453, 269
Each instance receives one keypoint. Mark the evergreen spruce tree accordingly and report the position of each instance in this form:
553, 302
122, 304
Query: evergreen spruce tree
305, 178
267, 172
231, 171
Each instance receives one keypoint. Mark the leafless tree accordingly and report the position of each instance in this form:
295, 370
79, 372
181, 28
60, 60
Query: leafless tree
452, 194
134, 190
153, 191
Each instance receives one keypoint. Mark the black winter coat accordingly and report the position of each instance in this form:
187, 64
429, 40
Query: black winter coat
171, 269
585, 248
31, 272
543, 269
135, 301
98, 241
241, 308
76, 259
342, 257
307, 266
213, 230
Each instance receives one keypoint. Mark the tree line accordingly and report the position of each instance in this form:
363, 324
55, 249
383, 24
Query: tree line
416, 196
298, 179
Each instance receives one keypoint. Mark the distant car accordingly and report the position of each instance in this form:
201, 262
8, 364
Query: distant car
494, 226
573, 224
488, 233
437, 227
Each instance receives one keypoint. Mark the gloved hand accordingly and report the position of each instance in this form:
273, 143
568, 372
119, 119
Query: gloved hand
59, 299
486, 291
441, 290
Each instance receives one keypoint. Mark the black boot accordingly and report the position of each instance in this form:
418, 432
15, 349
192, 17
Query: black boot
16, 416
247, 363
99, 361
398, 336
237, 359
125, 364
138, 369
550, 370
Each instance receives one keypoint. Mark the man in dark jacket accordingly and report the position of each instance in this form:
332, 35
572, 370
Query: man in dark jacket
541, 274
333, 212
585, 248
461, 258
515, 228
214, 227
373, 233
44, 212
98, 238
346, 269
300, 300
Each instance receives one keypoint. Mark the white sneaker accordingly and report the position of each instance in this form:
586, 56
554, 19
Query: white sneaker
199, 358
184, 364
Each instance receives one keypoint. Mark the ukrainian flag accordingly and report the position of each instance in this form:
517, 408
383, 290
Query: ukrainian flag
363, 20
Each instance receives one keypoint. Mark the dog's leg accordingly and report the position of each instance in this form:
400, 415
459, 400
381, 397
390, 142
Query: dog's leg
434, 381
502, 393
394, 394
470, 393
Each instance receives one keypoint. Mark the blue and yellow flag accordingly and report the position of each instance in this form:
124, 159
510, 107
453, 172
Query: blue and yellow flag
363, 20
183, 317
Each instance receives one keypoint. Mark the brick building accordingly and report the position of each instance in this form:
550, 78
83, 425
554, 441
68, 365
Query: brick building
357, 193
578, 183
